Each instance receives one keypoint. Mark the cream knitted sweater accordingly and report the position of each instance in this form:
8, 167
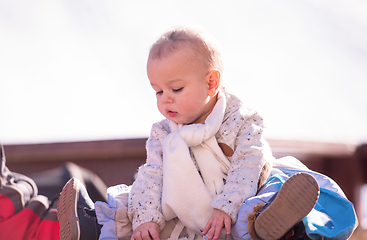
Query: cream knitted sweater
246, 149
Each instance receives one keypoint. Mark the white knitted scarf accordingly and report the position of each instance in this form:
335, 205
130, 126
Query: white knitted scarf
187, 194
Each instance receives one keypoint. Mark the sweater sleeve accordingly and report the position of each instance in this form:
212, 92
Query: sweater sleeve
146, 193
250, 154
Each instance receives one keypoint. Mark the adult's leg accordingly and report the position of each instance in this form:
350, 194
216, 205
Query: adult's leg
270, 193
23, 214
294, 201
76, 214
51, 182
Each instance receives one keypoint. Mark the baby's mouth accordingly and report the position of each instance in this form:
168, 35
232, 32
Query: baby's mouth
171, 114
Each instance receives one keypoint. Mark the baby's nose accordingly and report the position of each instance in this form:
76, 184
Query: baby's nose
166, 98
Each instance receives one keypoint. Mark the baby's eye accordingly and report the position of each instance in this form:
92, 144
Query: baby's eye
159, 92
177, 90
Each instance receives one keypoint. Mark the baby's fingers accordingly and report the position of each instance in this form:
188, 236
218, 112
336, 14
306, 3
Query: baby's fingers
154, 234
136, 236
216, 229
146, 231
208, 226
227, 225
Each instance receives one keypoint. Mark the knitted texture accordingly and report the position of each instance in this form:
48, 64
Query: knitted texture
241, 130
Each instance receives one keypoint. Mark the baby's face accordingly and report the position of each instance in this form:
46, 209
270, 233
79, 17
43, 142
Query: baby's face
181, 84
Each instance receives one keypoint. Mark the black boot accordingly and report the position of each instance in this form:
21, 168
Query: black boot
285, 210
76, 214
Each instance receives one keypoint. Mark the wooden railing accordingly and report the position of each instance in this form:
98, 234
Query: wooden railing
116, 161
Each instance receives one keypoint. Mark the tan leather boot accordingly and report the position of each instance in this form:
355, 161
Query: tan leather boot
280, 217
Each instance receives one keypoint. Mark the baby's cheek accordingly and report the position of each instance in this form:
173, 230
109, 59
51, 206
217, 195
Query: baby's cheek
160, 108
188, 105
188, 110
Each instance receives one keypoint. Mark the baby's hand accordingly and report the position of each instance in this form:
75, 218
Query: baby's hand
216, 223
146, 231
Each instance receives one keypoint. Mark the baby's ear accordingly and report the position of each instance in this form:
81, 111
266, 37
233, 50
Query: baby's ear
214, 82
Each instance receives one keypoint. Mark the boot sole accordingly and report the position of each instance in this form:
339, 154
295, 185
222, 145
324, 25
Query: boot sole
67, 211
295, 199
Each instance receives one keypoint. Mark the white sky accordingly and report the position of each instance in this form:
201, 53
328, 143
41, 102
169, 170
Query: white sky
75, 69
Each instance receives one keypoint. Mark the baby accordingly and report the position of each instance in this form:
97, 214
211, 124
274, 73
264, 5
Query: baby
208, 166
205, 158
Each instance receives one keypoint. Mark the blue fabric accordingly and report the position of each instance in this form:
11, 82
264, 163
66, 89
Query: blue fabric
106, 213
333, 217
276, 179
106, 217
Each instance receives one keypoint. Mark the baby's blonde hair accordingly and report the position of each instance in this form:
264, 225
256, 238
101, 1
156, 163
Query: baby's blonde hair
187, 36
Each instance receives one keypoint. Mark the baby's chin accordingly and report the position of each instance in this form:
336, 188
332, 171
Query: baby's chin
177, 120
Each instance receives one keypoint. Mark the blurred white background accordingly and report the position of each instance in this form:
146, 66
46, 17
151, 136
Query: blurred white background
74, 70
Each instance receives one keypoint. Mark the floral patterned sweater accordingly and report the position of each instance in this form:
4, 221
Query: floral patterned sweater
241, 139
